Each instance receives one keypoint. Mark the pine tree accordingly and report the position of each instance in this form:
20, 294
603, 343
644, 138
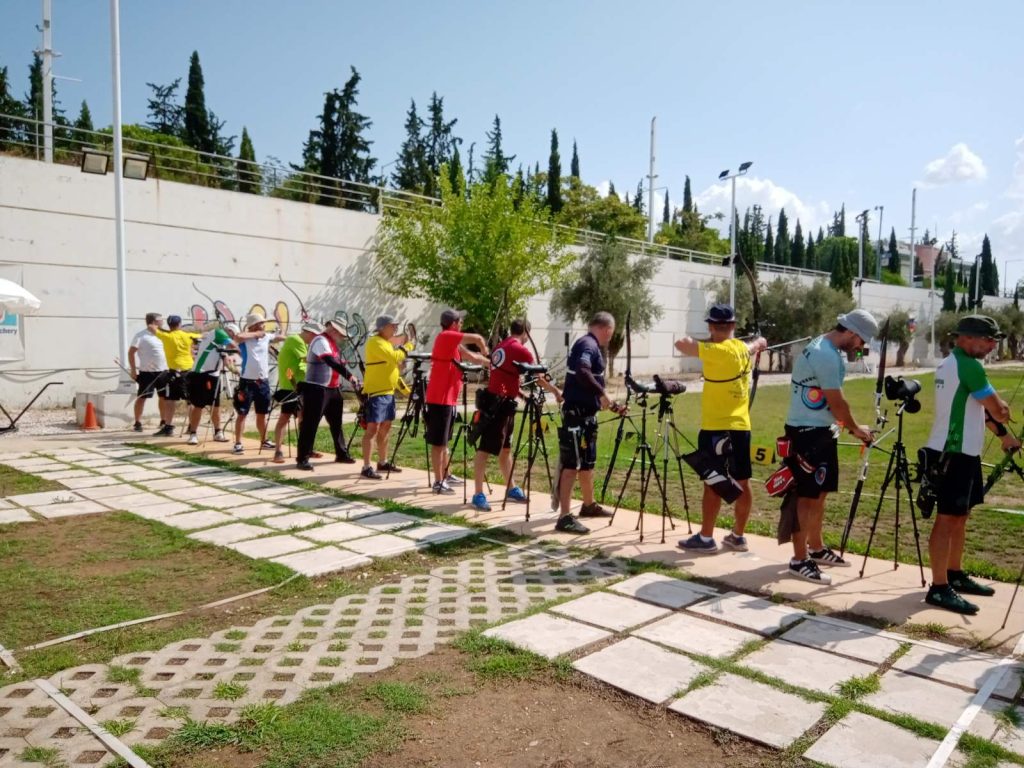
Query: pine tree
250, 177
574, 166
496, 162
554, 176
33, 108
894, 253
411, 169
638, 198
811, 255
10, 127
687, 197
769, 245
797, 256
83, 125
197, 132
838, 228
354, 162
666, 211
164, 111
949, 290
611, 190
782, 239
439, 144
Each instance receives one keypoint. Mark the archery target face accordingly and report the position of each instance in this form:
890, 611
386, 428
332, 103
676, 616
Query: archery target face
498, 358
813, 398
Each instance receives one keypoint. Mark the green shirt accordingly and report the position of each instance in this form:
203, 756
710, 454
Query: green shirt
291, 358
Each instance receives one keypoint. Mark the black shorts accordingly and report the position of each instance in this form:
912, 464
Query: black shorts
289, 401
152, 383
577, 440
818, 473
496, 433
440, 423
176, 387
961, 485
736, 453
203, 389
252, 393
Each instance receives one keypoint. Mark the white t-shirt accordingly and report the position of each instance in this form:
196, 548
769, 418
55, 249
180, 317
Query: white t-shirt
150, 355
255, 358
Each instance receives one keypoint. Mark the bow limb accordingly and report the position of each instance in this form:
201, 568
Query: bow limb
216, 312
755, 302
492, 337
302, 307
880, 381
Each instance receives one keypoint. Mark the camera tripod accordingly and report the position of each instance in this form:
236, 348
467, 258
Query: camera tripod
224, 391
413, 414
898, 470
462, 433
532, 423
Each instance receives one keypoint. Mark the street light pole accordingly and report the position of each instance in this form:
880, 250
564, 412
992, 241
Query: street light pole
881, 210
723, 176
122, 277
862, 219
650, 188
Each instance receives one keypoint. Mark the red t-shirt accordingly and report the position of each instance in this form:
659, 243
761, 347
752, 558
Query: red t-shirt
445, 382
504, 379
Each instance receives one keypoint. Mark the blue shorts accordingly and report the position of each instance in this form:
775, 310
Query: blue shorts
252, 392
380, 408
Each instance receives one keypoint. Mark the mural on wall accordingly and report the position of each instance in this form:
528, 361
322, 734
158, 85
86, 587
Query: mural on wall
278, 321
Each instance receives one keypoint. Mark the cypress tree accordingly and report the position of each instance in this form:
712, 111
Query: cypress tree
249, 173
666, 212
894, 253
797, 256
83, 125
989, 270
811, 255
197, 132
769, 244
949, 290
782, 239
354, 162
638, 198
687, 197
10, 127
496, 162
34, 100
455, 176
554, 176
574, 166
611, 190
518, 188
440, 143
411, 169
821, 236
963, 302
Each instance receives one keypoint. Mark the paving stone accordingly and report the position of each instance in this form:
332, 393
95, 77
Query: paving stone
339, 531
90, 481
271, 546
386, 521
15, 516
924, 699
958, 666
323, 560
51, 511
641, 668
609, 611
758, 712
380, 545
749, 612
805, 667
225, 501
109, 491
5, 504
190, 521
192, 493
295, 520
436, 533
44, 498
278, 492
229, 534
262, 509
314, 501
696, 635
35, 464
136, 475
64, 474
663, 590
130, 501
547, 635
168, 484
243, 484
991, 724
844, 637
160, 511
843, 745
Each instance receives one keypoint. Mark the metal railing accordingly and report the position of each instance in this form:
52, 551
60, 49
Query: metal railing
171, 161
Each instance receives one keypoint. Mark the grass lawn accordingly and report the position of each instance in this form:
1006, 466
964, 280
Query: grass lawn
14, 482
994, 545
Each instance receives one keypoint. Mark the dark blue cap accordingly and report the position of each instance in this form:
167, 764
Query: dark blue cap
720, 313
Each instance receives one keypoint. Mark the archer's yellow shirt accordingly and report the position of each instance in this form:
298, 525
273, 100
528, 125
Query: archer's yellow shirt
177, 348
725, 402
382, 361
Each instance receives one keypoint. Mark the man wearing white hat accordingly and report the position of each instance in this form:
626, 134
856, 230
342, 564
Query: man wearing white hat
816, 405
254, 383
291, 373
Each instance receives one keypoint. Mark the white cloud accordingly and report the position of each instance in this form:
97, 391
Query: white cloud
771, 197
1017, 184
959, 164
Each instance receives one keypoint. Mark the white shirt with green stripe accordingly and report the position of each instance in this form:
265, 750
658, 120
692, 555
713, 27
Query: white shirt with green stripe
960, 386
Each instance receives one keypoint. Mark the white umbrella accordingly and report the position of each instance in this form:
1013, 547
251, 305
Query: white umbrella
14, 299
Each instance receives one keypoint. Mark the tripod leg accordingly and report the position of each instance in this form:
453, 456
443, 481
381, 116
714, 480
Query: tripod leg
615, 452
913, 517
889, 474
625, 483
515, 459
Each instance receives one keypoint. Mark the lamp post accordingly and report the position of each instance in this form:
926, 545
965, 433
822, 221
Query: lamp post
724, 176
878, 269
1006, 263
122, 276
862, 219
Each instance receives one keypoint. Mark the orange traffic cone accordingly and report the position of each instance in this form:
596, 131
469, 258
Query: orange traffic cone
90, 417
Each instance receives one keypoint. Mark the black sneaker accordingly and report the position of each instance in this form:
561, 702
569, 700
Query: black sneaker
808, 571
569, 524
594, 510
304, 465
344, 458
137, 427
944, 596
167, 430
370, 473
388, 466
828, 556
965, 585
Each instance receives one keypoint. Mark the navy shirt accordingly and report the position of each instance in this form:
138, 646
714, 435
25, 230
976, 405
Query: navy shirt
586, 353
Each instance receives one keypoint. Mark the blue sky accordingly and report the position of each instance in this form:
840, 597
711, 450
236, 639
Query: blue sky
835, 102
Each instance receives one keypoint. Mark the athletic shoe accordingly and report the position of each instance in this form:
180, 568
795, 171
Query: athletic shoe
388, 466
193, 439
516, 494
738, 543
268, 445
370, 473
944, 596
965, 585
480, 502
453, 480
305, 466
238, 448
594, 510
569, 524
442, 489
828, 556
344, 458
137, 427
696, 544
220, 437
278, 457
809, 571
167, 430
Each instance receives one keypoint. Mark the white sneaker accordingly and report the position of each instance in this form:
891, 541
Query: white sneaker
238, 448
219, 436
193, 439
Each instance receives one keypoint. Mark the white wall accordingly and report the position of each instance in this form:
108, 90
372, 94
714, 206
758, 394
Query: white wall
56, 231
